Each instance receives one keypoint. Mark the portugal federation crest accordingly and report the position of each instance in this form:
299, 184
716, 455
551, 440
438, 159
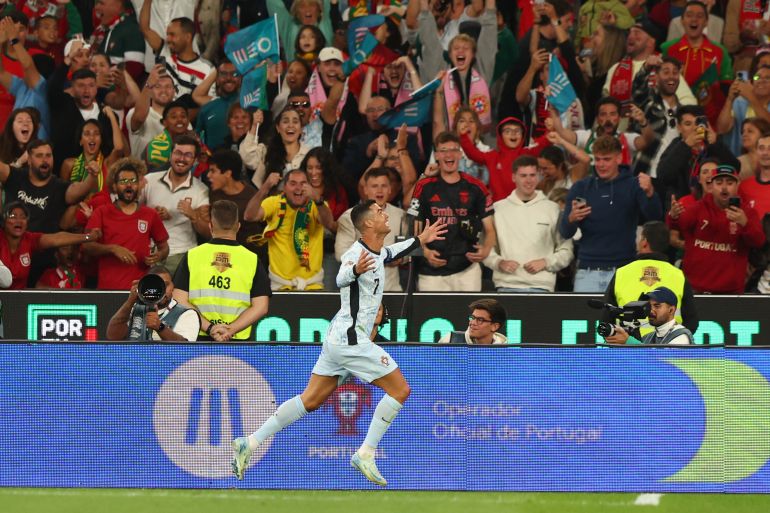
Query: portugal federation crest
141, 225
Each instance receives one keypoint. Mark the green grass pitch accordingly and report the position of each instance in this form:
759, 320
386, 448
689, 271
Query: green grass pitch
77, 500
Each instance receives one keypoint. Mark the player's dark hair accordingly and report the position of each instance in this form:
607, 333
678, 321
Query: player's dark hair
360, 213
228, 160
224, 215
657, 234
493, 308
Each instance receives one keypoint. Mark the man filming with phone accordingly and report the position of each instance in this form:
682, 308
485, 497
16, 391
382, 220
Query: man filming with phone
718, 233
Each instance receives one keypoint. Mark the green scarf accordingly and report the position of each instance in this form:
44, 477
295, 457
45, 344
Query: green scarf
80, 173
301, 235
159, 149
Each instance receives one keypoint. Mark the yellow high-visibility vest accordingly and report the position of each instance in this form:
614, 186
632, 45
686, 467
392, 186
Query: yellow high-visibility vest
221, 276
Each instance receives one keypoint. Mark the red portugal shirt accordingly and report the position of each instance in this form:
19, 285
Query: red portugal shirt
19, 262
134, 232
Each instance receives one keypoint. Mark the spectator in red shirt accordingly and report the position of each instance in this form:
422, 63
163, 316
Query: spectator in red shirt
68, 273
17, 244
755, 191
129, 231
718, 235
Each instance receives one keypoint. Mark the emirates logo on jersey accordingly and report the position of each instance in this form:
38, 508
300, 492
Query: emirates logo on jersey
141, 225
221, 262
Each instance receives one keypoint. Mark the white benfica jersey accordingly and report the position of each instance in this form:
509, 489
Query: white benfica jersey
360, 296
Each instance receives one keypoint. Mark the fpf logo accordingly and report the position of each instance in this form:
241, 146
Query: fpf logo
203, 405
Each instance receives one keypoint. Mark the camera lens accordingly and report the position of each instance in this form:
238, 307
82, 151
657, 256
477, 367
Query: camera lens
605, 329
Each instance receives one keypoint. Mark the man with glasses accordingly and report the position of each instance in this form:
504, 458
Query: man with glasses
465, 206
181, 201
211, 122
487, 317
312, 128
133, 236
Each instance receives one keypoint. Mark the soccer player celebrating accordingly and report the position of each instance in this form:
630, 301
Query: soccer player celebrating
348, 349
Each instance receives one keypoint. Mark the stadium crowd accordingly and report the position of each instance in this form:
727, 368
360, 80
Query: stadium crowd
556, 130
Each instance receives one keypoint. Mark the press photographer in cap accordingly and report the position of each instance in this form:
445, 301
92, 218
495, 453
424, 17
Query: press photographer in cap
667, 331
150, 313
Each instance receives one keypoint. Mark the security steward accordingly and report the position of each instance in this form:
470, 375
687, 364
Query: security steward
223, 280
649, 271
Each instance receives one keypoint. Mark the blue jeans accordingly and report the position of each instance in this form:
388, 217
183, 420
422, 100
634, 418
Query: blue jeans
587, 280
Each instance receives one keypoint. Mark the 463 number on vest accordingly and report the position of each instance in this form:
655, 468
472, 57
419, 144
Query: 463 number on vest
220, 282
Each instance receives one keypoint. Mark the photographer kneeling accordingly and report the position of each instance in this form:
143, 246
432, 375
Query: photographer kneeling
148, 315
662, 311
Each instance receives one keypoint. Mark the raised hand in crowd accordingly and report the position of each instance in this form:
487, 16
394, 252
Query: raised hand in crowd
676, 208
645, 182
736, 215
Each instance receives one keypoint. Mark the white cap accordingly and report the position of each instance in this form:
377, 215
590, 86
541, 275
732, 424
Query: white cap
330, 54
68, 46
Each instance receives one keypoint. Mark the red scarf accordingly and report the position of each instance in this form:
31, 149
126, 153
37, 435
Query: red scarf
620, 85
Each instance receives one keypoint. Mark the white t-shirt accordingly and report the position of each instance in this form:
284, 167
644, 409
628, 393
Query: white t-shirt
151, 127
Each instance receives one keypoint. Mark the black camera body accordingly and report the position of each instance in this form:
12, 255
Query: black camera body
629, 315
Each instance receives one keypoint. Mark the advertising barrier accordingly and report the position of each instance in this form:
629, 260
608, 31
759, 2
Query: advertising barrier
479, 418
304, 317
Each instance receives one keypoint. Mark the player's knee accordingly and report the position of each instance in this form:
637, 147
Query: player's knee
403, 393
311, 403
